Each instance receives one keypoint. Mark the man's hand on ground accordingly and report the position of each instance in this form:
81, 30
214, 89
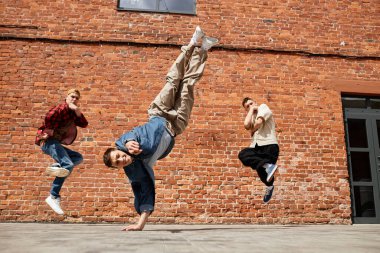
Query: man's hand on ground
134, 227
139, 225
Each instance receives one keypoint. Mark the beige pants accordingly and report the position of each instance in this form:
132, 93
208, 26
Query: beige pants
175, 101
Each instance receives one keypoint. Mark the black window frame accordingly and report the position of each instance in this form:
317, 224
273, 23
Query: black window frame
367, 101
194, 13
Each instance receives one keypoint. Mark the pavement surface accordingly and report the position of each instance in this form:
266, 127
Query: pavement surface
93, 238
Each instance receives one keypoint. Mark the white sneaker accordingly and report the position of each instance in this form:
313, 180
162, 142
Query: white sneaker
270, 169
209, 42
57, 171
55, 204
197, 35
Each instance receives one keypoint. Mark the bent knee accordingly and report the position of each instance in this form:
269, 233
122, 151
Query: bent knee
244, 156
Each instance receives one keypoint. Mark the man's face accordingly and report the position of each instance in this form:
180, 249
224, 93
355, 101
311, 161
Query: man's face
248, 104
120, 159
72, 98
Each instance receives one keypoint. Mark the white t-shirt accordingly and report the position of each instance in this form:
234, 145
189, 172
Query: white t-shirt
266, 134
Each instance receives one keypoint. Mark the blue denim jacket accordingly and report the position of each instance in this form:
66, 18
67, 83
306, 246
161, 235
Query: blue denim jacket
140, 175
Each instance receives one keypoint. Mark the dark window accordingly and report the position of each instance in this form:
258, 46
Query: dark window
354, 102
357, 133
375, 103
361, 168
364, 202
170, 6
378, 132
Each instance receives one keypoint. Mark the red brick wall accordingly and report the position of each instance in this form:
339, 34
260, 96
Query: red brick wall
201, 181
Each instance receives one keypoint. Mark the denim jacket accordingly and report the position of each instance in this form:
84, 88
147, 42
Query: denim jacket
141, 175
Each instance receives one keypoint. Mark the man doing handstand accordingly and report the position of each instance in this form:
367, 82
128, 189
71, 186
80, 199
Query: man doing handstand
138, 150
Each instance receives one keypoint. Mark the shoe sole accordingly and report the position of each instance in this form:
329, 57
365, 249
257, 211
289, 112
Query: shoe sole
270, 176
57, 172
211, 42
53, 208
268, 200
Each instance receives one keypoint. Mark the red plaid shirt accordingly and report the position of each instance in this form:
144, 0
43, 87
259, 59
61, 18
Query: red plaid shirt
60, 123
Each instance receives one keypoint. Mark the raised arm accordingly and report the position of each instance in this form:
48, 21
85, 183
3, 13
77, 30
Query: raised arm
80, 120
52, 120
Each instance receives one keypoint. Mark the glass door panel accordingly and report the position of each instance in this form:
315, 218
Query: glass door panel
357, 133
361, 167
364, 201
363, 147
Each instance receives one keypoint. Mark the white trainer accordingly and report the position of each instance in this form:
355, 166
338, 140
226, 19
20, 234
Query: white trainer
270, 169
55, 204
197, 35
57, 171
209, 42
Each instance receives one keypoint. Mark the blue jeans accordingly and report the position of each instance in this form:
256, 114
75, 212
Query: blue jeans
66, 158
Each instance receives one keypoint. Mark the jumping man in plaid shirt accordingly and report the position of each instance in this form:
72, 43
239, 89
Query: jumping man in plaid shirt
60, 127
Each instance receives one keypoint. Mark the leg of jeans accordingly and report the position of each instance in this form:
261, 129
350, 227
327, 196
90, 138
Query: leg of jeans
75, 157
56, 186
185, 101
59, 153
62, 156
163, 104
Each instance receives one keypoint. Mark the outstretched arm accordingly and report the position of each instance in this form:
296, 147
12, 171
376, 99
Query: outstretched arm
144, 200
140, 224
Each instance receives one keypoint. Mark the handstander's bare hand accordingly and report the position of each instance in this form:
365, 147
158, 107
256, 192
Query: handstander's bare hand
134, 227
140, 225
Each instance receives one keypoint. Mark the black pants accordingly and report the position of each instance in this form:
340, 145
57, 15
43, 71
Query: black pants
258, 156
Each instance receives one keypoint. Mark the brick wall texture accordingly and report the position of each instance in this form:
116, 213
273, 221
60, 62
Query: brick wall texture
278, 52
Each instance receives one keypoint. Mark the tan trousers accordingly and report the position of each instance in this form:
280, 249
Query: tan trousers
176, 99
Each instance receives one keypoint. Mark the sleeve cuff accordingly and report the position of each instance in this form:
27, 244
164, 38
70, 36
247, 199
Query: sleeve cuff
146, 208
50, 132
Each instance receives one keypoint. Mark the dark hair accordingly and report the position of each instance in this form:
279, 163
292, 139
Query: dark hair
245, 100
107, 157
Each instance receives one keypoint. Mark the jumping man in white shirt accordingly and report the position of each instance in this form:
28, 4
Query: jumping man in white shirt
263, 152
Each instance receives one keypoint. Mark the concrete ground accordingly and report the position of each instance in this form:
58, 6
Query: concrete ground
93, 238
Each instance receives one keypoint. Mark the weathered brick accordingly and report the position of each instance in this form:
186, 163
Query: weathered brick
202, 180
